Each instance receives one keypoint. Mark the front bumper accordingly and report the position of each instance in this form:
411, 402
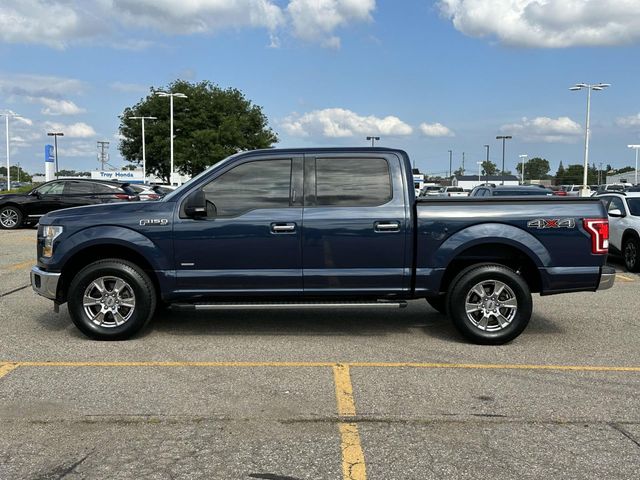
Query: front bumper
607, 277
44, 283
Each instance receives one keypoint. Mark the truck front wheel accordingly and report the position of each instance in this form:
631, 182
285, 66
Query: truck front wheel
111, 299
489, 304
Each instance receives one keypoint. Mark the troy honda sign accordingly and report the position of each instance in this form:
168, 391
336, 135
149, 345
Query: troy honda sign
132, 176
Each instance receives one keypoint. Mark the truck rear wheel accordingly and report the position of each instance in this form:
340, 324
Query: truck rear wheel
489, 304
111, 300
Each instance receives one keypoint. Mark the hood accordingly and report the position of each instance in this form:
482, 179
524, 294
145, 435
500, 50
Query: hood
12, 196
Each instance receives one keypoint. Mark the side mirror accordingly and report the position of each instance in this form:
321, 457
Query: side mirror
616, 213
196, 205
35, 193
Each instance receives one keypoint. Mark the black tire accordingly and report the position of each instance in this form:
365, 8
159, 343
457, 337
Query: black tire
631, 254
506, 314
438, 303
11, 217
106, 273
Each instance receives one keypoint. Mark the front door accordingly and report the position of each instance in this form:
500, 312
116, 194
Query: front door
356, 225
250, 241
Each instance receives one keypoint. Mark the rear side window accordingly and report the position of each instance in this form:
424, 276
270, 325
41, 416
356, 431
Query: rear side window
249, 186
346, 182
105, 188
78, 188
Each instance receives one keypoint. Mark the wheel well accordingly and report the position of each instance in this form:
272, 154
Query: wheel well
100, 252
629, 233
15, 205
502, 254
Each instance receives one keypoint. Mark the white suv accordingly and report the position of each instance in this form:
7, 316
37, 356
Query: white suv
624, 226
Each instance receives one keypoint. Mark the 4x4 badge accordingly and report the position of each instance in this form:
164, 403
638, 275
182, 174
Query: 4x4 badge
541, 223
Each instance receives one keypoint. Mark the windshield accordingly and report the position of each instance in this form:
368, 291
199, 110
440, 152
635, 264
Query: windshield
454, 189
634, 206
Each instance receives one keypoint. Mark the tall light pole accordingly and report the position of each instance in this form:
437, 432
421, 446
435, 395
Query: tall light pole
144, 155
373, 140
585, 191
55, 136
487, 147
450, 161
171, 95
479, 172
636, 148
503, 138
522, 157
6, 115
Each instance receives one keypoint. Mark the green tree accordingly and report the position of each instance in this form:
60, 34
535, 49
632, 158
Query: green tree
209, 125
489, 168
17, 174
573, 175
535, 168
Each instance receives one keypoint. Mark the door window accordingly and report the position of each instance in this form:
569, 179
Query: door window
250, 186
79, 188
54, 188
345, 182
616, 203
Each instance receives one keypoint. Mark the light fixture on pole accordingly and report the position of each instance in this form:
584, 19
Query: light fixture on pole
6, 115
503, 138
55, 136
636, 148
171, 95
479, 172
522, 157
373, 140
585, 191
144, 156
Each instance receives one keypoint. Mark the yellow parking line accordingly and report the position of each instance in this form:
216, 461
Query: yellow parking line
19, 266
353, 465
624, 278
467, 366
6, 368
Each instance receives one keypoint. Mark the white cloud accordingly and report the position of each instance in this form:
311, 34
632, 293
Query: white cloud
74, 130
121, 23
59, 107
76, 148
35, 86
316, 20
341, 123
629, 122
545, 129
547, 23
436, 130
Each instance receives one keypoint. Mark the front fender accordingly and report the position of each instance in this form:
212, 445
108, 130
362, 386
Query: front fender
109, 235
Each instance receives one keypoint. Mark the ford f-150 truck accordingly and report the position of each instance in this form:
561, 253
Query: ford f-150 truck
321, 228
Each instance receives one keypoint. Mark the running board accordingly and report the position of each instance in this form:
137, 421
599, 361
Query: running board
288, 305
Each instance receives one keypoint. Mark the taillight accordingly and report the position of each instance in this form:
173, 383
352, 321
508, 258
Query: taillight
598, 228
124, 196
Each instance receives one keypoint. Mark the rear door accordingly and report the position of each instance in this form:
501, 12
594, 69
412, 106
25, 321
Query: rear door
355, 226
78, 193
250, 241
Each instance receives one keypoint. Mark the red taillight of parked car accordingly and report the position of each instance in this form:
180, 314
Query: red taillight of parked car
598, 228
560, 193
124, 196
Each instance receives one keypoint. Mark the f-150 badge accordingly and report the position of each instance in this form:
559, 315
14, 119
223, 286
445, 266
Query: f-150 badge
153, 222
541, 223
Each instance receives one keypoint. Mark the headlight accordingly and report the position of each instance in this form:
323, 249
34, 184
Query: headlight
51, 232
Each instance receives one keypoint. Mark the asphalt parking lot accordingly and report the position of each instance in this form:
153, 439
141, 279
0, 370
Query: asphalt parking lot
318, 395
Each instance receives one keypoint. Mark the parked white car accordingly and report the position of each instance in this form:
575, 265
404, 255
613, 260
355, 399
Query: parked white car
453, 192
624, 226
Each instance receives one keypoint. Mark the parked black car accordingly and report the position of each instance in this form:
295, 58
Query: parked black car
17, 209
491, 190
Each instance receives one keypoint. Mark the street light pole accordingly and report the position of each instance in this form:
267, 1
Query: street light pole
373, 140
522, 157
585, 191
479, 172
55, 136
450, 161
636, 148
8, 114
503, 138
487, 147
144, 156
171, 95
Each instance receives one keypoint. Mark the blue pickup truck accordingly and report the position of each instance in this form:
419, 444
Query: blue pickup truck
319, 228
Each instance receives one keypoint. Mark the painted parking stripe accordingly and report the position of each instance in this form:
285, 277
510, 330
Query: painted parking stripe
624, 278
5, 368
19, 266
353, 465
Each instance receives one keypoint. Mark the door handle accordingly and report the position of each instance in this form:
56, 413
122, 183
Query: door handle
283, 228
386, 226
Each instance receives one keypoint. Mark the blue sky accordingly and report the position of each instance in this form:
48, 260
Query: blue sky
425, 76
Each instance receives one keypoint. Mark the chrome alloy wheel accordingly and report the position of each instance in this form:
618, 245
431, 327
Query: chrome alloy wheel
109, 302
9, 218
491, 305
630, 254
